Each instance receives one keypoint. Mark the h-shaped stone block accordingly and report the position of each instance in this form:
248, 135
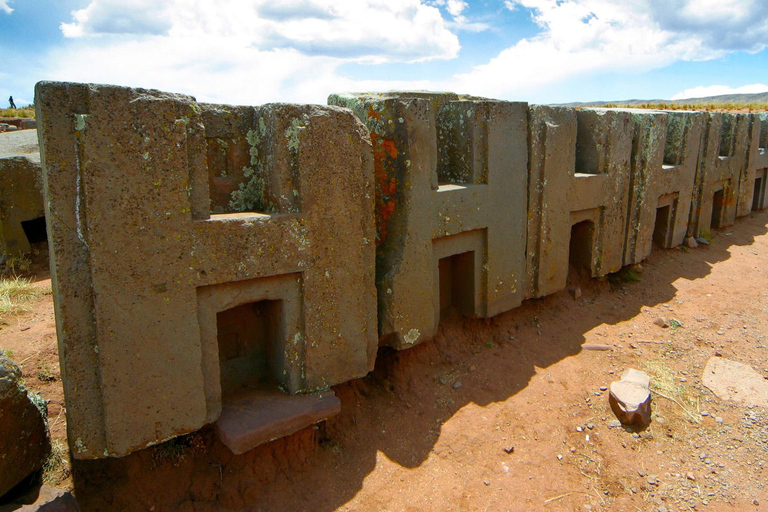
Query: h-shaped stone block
174, 281
577, 197
754, 175
722, 159
450, 207
664, 158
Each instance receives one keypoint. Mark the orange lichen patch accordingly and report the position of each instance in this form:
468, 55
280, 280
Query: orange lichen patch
388, 146
384, 153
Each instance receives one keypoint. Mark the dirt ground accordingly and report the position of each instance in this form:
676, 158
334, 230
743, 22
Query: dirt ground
509, 413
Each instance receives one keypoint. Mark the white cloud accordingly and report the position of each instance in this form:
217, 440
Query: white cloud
704, 91
581, 37
254, 51
369, 30
241, 51
5, 7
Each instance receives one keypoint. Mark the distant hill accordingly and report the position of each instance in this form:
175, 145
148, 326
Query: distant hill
729, 100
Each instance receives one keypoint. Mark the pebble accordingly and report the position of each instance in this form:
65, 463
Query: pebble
559, 457
590, 426
705, 413
719, 420
456, 385
691, 477
614, 424
604, 388
487, 482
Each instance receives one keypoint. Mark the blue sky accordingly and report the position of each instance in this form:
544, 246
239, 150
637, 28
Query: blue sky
252, 52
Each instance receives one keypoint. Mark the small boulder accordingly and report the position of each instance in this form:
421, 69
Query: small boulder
630, 398
691, 243
24, 439
661, 322
575, 292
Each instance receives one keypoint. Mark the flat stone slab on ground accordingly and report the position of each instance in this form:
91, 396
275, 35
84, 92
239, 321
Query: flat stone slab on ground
731, 380
260, 416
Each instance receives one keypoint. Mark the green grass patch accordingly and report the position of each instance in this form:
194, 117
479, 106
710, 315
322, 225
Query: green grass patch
625, 275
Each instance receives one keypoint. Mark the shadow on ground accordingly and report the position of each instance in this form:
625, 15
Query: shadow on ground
398, 410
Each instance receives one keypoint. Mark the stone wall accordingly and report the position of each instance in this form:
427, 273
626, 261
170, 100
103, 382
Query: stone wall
227, 264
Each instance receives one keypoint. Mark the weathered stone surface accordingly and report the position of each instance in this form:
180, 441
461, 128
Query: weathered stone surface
752, 180
450, 207
722, 161
691, 243
630, 398
21, 190
577, 195
24, 439
156, 266
636, 376
731, 380
664, 158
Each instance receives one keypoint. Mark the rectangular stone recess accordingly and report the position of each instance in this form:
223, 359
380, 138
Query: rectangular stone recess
457, 283
457, 262
582, 243
446, 165
758, 194
258, 332
661, 227
666, 212
718, 203
145, 256
248, 337
579, 162
664, 159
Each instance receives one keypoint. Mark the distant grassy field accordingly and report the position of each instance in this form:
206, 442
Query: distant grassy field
708, 107
18, 112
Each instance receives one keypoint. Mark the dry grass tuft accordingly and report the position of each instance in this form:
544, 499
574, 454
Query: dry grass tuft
16, 293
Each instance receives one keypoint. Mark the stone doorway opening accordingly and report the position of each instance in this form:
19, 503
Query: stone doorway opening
250, 339
661, 226
457, 284
580, 249
758, 193
718, 201
35, 230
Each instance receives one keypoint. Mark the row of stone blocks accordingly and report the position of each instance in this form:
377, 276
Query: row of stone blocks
213, 263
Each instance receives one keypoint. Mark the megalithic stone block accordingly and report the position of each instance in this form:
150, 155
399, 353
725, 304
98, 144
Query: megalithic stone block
664, 158
450, 207
722, 158
753, 176
172, 290
577, 196
21, 194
